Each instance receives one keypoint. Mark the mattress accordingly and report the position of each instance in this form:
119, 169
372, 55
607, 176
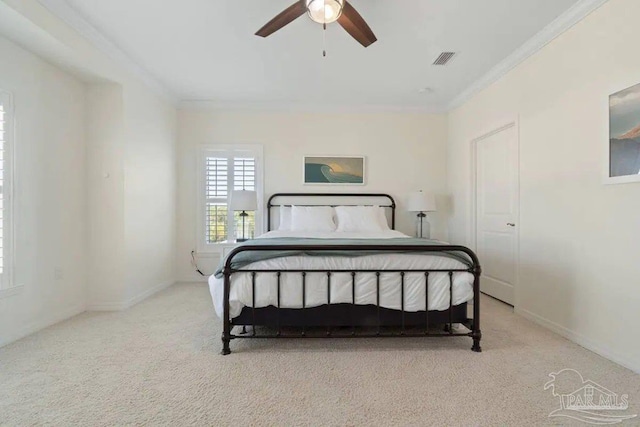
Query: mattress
316, 284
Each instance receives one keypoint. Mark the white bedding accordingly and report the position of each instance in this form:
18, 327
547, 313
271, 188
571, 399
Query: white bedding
316, 283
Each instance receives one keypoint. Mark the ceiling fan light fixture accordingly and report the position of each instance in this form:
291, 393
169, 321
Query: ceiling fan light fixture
325, 11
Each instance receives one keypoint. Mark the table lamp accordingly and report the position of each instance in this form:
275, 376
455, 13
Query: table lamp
243, 200
421, 202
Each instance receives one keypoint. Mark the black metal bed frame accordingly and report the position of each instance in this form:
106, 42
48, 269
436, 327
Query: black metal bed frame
343, 320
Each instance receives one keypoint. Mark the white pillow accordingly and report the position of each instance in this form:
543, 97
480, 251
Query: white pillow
312, 218
285, 218
382, 218
361, 218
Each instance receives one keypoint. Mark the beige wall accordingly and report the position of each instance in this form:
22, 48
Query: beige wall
405, 152
579, 239
49, 204
131, 136
96, 176
105, 192
149, 193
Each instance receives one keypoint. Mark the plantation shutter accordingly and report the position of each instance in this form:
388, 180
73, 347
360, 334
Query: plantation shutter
3, 141
216, 193
228, 169
6, 145
244, 173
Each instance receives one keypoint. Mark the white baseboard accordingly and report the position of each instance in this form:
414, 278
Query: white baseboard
123, 305
146, 294
12, 291
193, 280
107, 306
74, 311
581, 340
38, 325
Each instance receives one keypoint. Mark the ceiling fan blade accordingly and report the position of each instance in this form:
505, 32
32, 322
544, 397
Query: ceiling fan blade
355, 25
287, 16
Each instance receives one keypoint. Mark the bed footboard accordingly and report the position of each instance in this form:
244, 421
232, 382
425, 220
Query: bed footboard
351, 320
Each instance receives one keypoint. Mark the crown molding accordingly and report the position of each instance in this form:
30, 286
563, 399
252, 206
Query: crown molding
557, 27
289, 107
64, 11
561, 24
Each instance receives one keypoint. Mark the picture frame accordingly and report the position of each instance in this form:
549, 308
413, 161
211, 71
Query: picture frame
623, 145
333, 170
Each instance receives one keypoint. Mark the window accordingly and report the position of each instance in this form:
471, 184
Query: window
6, 140
224, 169
588, 392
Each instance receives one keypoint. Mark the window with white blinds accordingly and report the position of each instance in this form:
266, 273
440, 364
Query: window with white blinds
226, 169
6, 134
217, 194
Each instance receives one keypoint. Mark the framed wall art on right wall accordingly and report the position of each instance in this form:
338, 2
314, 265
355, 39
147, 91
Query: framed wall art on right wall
624, 136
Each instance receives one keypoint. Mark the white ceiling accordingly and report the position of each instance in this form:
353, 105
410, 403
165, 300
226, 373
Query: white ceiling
206, 49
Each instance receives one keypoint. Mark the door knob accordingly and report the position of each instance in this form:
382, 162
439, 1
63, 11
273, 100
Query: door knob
510, 224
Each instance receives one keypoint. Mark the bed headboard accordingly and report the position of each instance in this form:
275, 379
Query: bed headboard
330, 199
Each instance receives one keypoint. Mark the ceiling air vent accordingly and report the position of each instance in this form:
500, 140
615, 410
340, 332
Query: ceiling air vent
444, 58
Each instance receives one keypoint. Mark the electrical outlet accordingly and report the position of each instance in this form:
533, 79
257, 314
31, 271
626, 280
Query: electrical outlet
58, 274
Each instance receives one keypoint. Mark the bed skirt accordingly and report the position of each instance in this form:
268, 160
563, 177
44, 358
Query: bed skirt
344, 315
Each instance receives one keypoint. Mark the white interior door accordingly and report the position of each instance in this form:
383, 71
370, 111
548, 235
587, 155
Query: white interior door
497, 212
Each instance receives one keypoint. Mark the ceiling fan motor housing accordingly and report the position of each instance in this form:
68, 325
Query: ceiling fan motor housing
325, 11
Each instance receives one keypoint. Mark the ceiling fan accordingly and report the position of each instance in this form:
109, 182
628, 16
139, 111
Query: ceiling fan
324, 12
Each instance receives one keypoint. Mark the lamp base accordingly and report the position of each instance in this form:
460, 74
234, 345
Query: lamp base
243, 215
423, 228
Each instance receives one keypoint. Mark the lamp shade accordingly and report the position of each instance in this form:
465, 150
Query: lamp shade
421, 202
244, 200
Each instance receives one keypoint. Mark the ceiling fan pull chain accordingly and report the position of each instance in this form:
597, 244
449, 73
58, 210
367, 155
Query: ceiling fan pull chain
324, 40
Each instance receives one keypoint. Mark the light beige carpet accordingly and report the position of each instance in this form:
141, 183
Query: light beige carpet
159, 364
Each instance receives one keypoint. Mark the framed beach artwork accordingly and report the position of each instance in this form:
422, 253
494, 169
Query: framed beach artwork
624, 136
334, 170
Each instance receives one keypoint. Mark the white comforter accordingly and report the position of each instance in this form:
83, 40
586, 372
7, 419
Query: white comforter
316, 283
